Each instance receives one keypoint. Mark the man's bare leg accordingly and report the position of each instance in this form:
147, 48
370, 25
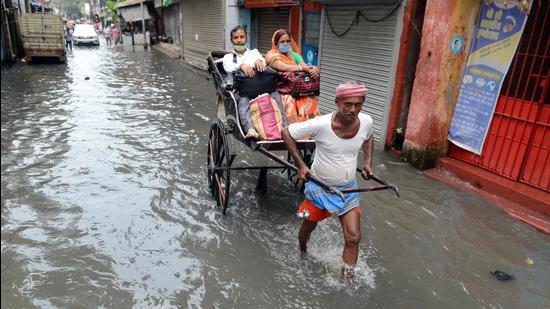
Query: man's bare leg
305, 231
351, 226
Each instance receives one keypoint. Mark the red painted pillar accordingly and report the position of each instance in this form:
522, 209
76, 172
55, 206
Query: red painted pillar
295, 24
437, 80
401, 70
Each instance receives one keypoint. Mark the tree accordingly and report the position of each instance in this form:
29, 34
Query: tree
111, 10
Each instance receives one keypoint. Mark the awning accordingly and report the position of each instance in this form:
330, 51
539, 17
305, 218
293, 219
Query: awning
133, 13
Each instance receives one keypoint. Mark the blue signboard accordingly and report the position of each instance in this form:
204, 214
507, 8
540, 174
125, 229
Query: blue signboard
498, 31
309, 53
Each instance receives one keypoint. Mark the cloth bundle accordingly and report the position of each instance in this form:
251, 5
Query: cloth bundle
266, 117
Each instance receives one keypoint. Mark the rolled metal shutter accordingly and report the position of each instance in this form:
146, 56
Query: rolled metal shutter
365, 54
203, 29
172, 25
270, 20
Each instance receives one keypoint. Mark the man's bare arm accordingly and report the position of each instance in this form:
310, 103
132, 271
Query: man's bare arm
284, 67
303, 170
368, 151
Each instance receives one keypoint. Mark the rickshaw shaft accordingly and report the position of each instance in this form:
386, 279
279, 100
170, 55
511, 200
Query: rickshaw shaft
239, 168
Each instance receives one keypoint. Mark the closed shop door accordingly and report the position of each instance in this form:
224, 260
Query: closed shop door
366, 53
172, 23
203, 29
518, 142
268, 21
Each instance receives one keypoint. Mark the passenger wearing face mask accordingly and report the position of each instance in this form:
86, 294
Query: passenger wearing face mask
285, 56
249, 61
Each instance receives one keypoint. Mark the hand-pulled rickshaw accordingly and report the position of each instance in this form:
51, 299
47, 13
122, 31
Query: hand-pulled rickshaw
226, 127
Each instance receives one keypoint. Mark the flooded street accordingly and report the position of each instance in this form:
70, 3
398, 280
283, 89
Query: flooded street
105, 205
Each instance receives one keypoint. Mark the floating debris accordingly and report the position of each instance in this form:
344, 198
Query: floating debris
502, 276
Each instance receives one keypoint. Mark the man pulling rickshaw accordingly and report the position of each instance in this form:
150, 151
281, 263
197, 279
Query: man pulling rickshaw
338, 138
330, 178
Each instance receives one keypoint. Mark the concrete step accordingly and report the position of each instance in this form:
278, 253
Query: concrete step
171, 50
522, 201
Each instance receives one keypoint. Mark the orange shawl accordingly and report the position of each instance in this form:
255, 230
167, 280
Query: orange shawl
300, 109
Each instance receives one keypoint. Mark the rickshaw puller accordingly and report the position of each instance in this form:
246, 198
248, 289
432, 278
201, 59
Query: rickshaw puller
338, 138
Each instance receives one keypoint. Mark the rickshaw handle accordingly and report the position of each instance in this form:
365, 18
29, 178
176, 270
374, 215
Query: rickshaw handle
386, 185
323, 185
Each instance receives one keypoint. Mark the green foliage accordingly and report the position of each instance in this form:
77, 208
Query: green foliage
111, 5
111, 10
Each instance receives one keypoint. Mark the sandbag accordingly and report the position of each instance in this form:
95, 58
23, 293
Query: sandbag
251, 87
266, 117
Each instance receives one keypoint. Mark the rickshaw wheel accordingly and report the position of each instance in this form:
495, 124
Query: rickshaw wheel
218, 163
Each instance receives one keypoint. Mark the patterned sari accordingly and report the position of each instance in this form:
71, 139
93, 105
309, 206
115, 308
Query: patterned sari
300, 109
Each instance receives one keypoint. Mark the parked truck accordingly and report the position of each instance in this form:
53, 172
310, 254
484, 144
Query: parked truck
43, 36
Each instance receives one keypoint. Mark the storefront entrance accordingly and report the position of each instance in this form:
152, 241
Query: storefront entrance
518, 142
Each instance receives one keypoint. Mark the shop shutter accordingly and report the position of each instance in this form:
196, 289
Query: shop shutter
203, 29
172, 23
365, 54
270, 20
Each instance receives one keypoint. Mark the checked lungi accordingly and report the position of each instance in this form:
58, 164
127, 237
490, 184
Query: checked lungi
330, 203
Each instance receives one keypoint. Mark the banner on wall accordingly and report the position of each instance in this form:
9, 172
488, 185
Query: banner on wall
498, 31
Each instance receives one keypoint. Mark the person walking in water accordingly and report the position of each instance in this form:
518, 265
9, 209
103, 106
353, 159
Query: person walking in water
338, 138
107, 34
115, 33
69, 39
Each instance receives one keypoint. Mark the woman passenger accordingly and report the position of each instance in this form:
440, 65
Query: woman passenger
285, 56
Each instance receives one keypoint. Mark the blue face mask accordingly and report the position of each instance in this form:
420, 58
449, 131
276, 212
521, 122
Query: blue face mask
284, 48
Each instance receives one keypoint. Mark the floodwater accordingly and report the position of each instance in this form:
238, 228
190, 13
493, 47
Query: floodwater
104, 205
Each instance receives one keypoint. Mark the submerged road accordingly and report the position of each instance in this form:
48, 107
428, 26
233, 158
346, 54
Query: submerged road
105, 205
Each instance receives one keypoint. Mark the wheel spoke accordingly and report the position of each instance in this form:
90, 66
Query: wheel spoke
221, 144
219, 152
221, 189
221, 157
211, 152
